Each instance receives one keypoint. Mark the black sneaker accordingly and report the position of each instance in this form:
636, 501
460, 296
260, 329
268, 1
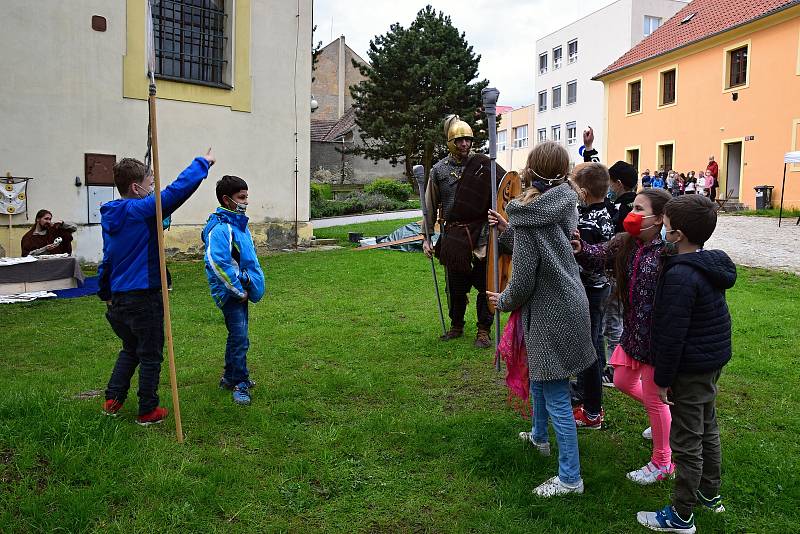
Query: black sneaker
224, 384
714, 504
608, 377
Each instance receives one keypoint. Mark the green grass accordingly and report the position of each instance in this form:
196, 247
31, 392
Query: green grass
361, 421
774, 212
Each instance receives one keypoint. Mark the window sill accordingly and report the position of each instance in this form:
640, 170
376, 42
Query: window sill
662, 106
736, 88
194, 82
631, 114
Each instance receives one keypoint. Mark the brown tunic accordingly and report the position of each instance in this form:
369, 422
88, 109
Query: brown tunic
31, 241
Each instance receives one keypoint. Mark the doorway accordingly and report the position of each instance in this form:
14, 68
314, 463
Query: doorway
666, 153
732, 157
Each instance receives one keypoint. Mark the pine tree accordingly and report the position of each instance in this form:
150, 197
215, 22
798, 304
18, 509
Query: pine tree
416, 77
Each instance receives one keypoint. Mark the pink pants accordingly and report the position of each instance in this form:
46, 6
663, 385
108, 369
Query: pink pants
635, 379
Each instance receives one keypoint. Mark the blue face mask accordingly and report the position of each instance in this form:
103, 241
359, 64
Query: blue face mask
612, 195
663, 232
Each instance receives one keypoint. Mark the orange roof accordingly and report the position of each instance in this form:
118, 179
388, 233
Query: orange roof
699, 20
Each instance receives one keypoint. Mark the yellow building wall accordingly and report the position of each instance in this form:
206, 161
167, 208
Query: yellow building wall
705, 115
513, 159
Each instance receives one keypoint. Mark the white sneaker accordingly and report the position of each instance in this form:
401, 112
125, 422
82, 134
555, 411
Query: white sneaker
648, 433
543, 448
554, 487
650, 474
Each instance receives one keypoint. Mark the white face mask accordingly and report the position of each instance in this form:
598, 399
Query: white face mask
240, 208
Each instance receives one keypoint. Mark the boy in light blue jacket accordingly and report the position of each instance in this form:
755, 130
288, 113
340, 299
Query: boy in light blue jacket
234, 277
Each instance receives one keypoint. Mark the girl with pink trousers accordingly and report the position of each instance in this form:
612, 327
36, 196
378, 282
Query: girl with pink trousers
636, 258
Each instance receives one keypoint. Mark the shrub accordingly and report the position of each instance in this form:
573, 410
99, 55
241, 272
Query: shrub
390, 188
356, 202
320, 192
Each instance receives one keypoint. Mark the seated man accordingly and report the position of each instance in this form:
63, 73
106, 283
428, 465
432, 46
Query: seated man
42, 237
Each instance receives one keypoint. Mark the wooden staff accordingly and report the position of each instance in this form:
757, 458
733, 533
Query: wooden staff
489, 95
162, 263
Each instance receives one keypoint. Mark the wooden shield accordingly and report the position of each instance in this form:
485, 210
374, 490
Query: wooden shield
510, 187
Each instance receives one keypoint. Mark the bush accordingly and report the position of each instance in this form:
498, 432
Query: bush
356, 202
320, 192
390, 188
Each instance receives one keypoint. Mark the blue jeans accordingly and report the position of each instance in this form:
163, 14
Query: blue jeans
552, 399
236, 321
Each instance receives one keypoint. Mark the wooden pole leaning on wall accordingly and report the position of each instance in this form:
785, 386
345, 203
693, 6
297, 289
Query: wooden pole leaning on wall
162, 264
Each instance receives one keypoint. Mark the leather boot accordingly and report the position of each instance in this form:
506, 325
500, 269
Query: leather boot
482, 339
453, 333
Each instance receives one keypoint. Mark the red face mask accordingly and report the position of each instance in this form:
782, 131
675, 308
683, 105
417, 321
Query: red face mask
633, 223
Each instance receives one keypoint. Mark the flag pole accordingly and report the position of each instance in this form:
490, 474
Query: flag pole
162, 264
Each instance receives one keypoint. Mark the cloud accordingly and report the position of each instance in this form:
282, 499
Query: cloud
503, 32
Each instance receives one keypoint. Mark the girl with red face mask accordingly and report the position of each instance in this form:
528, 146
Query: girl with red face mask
636, 258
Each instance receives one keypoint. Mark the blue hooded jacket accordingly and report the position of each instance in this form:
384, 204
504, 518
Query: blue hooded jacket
130, 245
232, 266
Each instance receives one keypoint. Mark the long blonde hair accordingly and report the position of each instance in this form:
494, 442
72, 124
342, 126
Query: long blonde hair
548, 162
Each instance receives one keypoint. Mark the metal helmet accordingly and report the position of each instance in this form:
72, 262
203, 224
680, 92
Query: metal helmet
455, 128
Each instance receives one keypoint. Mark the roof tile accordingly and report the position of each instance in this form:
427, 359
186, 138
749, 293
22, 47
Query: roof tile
706, 18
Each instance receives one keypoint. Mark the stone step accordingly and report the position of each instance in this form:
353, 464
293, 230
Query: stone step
323, 242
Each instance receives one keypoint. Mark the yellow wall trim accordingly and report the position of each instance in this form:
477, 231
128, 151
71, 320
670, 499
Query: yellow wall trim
726, 65
705, 44
628, 112
136, 84
659, 104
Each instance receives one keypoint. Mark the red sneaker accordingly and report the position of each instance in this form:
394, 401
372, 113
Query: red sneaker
582, 420
152, 418
111, 407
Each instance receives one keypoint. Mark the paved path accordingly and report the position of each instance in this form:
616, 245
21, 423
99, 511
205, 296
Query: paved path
355, 219
758, 242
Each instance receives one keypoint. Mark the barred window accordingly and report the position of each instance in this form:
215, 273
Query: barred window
190, 40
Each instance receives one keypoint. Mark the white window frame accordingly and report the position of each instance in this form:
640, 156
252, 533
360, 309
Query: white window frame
553, 97
557, 62
541, 135
575, 83
572, 133
502, 136
555, 133
539, 105
521, 141
543, 69
650, 19
572, 57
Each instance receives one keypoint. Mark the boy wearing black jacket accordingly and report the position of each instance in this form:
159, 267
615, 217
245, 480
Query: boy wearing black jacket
691, 343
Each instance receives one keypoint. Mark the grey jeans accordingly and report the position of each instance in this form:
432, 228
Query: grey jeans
694, 439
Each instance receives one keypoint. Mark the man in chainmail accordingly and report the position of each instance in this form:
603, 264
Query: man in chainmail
459, 190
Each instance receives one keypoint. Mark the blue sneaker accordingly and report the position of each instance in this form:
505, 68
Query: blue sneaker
714, 504
241, 394
666, 520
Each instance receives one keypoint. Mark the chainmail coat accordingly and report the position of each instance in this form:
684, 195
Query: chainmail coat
546, 284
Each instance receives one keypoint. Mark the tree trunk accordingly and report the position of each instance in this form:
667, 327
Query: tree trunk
410, 172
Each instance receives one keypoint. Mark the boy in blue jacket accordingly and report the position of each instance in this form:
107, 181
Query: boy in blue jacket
130, 281
235, 277
691, 343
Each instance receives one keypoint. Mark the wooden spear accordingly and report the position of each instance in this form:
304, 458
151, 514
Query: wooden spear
162, 265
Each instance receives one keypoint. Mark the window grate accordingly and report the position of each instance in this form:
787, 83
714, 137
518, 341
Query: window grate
190, 40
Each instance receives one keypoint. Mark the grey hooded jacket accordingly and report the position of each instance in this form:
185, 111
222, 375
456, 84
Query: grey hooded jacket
546, 285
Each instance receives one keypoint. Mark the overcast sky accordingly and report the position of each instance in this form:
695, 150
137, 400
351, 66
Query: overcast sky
503, 32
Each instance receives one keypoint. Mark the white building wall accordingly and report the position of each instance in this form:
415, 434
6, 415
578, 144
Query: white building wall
62, 97
603, 37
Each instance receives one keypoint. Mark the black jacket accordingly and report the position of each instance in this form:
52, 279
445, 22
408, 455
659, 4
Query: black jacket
691, 323
623, 205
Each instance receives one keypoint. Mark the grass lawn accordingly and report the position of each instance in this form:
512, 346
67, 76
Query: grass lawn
369, 229
773, 212
362, 421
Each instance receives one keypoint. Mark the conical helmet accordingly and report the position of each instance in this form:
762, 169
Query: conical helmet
455, 128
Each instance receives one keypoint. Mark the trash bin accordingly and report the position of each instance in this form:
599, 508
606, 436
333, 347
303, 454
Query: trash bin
763, 197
